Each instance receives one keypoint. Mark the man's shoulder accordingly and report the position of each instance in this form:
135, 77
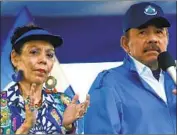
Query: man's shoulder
116, 71
108, 77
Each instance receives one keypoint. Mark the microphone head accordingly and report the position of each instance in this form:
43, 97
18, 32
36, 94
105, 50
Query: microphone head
165, 60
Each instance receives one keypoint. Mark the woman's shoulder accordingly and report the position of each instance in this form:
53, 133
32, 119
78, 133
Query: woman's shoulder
10, 85
5, 125
3, 98
8, 90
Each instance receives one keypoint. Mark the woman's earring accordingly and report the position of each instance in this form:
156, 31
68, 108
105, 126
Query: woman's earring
51, 82
17, 76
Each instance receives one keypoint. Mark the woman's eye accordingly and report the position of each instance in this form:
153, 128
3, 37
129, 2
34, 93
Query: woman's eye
33, 52
50, 55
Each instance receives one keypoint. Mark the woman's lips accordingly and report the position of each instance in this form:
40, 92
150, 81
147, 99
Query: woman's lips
41, 70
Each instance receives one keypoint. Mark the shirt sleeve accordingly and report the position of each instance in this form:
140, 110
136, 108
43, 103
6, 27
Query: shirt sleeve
104, 113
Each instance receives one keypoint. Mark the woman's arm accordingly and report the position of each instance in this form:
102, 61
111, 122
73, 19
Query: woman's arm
24, 128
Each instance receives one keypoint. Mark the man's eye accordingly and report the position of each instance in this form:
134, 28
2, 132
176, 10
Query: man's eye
159, 31
142, 32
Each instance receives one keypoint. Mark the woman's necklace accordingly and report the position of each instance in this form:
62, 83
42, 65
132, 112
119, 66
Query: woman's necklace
27, 100
38, 105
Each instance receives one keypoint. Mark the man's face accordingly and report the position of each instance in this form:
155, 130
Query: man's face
145, 44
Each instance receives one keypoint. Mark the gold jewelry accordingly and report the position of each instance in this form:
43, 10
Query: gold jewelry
68, 127
51, 82
27, 100
32, 107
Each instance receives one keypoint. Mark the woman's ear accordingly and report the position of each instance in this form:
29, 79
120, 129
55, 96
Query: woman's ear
14, 58
124, 44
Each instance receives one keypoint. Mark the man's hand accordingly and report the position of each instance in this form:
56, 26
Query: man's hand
175, 91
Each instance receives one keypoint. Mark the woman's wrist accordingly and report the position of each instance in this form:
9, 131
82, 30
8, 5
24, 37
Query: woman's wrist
24, 128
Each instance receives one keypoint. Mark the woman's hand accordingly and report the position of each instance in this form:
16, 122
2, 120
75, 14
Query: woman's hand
75, 111
30, 112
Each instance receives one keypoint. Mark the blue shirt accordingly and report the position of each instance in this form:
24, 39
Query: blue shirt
123, 103
146, 74
49, 115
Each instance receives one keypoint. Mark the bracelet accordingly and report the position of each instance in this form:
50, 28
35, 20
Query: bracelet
68, 127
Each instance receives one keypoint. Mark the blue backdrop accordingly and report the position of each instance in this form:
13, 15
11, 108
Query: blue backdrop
89, 38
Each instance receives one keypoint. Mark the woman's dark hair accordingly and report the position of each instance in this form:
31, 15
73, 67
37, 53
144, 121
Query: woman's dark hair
19, 31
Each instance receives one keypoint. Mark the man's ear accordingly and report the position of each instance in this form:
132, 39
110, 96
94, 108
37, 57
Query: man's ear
14, 58
124, 44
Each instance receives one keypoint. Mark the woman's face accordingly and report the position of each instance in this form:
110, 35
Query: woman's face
36, 61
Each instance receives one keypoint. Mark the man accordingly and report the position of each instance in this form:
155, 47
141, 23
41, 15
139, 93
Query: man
137, 97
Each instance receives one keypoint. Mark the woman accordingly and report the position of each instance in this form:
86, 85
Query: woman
27, 107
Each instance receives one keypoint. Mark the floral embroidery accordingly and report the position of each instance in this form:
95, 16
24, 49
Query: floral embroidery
49, 116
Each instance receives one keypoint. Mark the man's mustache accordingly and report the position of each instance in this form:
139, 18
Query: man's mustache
152, 47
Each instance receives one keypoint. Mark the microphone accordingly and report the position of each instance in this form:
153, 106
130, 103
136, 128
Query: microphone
167, 63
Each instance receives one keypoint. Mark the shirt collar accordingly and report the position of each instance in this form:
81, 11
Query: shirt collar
139, 66
143, 69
